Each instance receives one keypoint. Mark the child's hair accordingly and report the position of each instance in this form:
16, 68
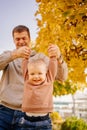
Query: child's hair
36, 62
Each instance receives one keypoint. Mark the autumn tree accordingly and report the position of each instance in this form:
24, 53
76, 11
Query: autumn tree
64, 22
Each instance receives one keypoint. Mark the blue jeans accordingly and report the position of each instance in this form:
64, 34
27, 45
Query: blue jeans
10, 119
35, 125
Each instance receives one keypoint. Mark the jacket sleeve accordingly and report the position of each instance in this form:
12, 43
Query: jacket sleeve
5, 59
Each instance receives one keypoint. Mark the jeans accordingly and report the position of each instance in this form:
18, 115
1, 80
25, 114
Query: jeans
37, 125
9, 118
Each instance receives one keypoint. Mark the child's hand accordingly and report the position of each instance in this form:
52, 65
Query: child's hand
54, 51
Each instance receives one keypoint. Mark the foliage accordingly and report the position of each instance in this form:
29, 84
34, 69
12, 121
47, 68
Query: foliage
67, 87
64, 22
73, 123
56, 116
56, 120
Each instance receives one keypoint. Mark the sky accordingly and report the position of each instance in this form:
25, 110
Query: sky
13, 13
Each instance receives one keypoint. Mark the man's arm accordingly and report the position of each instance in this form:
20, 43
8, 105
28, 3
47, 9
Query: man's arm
62, 71
5, 58
8, 56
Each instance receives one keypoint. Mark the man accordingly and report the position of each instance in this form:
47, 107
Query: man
12, 82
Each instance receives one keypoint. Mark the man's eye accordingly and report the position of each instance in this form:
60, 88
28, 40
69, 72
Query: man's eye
17, 39
24, 38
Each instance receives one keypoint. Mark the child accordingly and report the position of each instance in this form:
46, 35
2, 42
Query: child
38, 92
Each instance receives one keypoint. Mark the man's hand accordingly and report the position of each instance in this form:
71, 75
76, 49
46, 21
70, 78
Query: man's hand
22, 52
54, 51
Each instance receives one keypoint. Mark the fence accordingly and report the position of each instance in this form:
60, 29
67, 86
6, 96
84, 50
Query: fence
72, 106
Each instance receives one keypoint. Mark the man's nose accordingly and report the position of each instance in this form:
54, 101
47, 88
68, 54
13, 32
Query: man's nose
21, 40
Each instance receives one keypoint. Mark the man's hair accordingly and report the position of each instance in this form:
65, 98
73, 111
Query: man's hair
20, 28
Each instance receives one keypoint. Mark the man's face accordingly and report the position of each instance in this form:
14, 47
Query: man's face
21, 39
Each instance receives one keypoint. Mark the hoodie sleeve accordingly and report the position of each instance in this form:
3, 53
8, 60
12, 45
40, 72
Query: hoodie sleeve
62, 71
5, 59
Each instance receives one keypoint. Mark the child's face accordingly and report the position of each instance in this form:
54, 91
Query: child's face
37, 74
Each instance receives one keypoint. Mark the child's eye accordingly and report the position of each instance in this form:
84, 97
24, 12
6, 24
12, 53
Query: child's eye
40, 73
32, 74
